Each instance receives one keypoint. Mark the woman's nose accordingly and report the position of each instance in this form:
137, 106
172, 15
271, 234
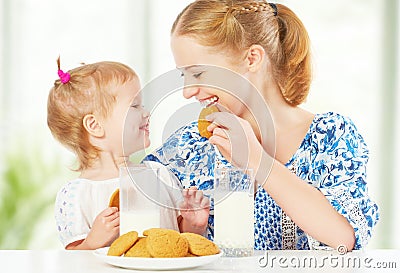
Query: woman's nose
146, 113
190, 91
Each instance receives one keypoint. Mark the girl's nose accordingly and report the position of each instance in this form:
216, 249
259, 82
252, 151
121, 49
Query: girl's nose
190, 91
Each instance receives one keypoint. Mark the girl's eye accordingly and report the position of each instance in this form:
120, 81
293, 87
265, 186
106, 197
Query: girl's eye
182, 75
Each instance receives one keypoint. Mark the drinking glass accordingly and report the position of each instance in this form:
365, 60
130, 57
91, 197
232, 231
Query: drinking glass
139, 193
234, 211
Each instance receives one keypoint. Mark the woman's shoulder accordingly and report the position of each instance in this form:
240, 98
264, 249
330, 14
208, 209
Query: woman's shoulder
333, 125
330, 130
330, 119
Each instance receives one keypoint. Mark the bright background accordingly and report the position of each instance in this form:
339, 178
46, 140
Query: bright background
356, 63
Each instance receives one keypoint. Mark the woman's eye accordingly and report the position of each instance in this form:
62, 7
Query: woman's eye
182, 75
197, 75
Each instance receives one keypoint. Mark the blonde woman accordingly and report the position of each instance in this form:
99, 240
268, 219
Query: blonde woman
312, 190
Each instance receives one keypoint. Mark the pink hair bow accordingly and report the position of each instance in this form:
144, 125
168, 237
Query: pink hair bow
64, 76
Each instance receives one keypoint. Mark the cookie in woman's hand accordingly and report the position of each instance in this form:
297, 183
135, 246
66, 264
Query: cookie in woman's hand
203, 123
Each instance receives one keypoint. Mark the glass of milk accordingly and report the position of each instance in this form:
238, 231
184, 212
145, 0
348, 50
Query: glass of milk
234, 211
139, 195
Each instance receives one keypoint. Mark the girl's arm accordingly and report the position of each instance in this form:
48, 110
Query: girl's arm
195, 210
78, 245
104, 231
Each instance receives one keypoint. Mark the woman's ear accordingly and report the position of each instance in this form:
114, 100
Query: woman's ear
93, 126
255, 57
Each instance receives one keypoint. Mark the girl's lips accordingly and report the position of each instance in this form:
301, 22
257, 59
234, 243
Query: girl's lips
144, 127
146, 130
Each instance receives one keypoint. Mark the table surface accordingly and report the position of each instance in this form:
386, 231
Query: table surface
77, 261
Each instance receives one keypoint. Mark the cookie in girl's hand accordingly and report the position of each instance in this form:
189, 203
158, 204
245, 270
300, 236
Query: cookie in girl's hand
203, 123
114, 199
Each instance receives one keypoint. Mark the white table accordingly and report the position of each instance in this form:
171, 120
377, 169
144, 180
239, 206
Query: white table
62, 261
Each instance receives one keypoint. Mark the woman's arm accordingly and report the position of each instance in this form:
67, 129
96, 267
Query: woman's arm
308, 208
311, 207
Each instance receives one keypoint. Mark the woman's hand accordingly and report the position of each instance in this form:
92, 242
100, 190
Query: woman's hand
195, 210
235, 139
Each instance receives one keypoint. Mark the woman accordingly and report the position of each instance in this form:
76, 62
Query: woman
312, 176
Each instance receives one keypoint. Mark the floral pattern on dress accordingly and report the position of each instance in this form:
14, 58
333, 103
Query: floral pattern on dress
332, 157
67, 211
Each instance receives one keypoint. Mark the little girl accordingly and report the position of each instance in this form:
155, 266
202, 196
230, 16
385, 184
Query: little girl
90, 110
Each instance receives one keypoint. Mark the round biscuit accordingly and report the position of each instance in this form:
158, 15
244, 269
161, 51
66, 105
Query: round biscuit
122, 243
114, 199
139, 249
199, 245
166, 243
202, 123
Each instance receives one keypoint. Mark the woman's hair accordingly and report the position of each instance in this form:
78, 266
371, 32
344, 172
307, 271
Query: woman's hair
235, 25
91, 89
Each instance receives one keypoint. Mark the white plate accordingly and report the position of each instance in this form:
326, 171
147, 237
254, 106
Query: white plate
155, 263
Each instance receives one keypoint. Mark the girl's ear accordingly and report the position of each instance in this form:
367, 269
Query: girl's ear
93, 126
255, 57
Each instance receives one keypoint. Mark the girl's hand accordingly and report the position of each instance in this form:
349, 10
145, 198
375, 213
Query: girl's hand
105, 229
235, 139
195, 210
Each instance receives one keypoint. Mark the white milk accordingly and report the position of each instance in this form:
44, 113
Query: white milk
234, 221
138, 221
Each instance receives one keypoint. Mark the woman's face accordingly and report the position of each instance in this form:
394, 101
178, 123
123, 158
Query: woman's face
198, 66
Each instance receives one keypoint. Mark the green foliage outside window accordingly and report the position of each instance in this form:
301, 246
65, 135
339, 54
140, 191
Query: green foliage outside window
27, 191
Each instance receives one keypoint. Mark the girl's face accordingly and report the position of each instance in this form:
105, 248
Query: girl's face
197, 64
127, 127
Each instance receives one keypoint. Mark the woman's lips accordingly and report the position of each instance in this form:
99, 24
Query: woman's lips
208, 101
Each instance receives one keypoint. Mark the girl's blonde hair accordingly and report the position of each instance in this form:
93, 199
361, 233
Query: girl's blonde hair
235, 25
90, 90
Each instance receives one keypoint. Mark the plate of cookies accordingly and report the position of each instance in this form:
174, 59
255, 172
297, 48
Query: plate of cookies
159, 249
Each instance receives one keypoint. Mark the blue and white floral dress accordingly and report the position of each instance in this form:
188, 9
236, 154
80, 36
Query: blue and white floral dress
332, 157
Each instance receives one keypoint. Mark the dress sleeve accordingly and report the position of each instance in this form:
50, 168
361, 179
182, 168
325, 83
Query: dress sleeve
169, 154
187, 155
339, 160
71, 222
